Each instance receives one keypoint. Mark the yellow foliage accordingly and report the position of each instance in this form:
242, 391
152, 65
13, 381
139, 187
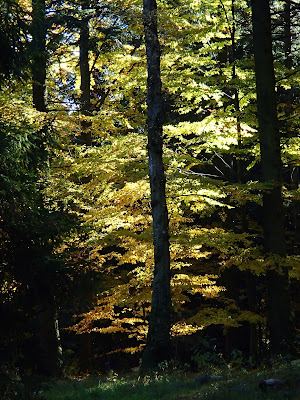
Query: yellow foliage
225, 317
183, 329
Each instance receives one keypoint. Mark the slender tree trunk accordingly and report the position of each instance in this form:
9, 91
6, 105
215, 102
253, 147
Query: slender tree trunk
236, 92
274, 239
85, 352
39, 54
252, 306
288, 61
85, 76
289, 92
287, 34
158, 341
50, 350
49, 347
250, 278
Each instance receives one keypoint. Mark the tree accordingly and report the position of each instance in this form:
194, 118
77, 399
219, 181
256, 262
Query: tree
39, 54
85, 75
13, 40
273, 213
158, 340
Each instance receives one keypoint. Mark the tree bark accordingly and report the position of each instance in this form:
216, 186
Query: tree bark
39, 55
41, 279
287, 34
158, 341
274, 238
236, 93
85, 76
49, 345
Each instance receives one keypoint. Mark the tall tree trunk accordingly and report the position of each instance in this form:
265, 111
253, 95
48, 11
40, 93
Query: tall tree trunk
158, 341
85, 76
42, 280
39, 54
274, 239
49, 345
236, 92
288, 61
287, 34
250, 278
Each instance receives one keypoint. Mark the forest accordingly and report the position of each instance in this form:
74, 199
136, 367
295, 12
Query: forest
149, 195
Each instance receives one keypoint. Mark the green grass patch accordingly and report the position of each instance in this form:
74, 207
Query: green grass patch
229, 385
137, 389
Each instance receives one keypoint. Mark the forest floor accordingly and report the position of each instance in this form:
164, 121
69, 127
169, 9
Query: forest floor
281, 382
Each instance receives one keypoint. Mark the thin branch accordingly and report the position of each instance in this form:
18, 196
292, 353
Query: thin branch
288, 76
198, 173
226, 16
222, 159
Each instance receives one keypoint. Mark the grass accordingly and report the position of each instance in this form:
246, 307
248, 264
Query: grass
134, 389
234, 385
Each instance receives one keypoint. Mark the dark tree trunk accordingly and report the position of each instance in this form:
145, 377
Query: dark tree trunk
252, 306
39, 54
287, 34
158, 341
236, 92
85, 352
274, 238
42, 280
44, 355
288, 62
49, 346
85, 76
